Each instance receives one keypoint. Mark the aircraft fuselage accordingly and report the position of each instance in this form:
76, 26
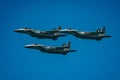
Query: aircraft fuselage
85, 35
50, 49
40, 34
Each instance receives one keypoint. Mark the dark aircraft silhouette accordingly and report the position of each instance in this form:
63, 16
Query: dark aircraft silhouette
54, 34
64, 49
98, 35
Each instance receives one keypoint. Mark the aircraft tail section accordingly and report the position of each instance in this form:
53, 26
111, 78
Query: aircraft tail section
72, 50
98, 30
57, 29
103, 29
67, 45
107, 36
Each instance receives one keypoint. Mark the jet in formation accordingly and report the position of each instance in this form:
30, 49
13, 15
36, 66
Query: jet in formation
59, 32
54, 34
97, 35
64, 49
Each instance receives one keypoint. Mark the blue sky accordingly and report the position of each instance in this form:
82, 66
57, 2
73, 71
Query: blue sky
94, 60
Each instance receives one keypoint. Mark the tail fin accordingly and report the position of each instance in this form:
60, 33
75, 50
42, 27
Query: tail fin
57, 29
103, 29
98, 30
67, 45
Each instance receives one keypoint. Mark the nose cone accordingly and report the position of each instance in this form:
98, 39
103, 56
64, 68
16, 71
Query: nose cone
20, 30
16, 30
28, 46
31, 45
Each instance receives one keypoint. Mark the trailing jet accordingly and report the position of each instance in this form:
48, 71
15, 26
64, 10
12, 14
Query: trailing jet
98, 35
64, 49
41, 34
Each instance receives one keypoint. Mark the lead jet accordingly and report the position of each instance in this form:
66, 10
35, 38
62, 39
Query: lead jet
41, 34
64, 49
97, 35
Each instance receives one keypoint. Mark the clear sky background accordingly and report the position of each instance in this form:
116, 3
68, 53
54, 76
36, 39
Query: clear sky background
94, 60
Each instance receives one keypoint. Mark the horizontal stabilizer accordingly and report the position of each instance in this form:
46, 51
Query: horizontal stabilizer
107, 36
73, 50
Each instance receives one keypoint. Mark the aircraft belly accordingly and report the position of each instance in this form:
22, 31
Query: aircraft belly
52, 51
43, 36
88, 36
56, 51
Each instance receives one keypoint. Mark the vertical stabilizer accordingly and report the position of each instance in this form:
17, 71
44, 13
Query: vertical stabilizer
103, 29
57, 29
67, 45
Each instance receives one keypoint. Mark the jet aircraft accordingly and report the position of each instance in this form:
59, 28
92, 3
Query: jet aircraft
98, 35
64, 49
41, 34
